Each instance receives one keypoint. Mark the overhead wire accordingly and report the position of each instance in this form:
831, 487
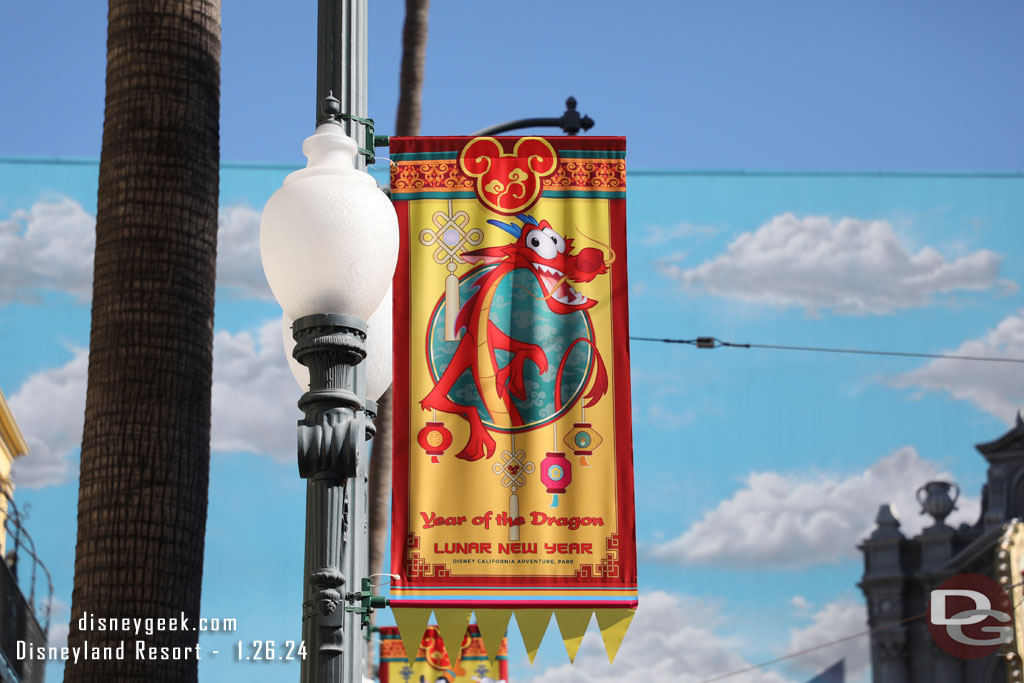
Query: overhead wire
714, 343
877, 629
799, 653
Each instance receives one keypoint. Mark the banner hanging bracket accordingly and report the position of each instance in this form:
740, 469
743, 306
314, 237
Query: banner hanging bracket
330, 108
369, 141
367, 602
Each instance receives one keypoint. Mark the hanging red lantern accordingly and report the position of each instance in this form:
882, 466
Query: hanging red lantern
582, 440
434, 438
555, 474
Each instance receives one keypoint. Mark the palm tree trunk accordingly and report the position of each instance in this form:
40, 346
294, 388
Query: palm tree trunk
414, 58
407, 122
146, 444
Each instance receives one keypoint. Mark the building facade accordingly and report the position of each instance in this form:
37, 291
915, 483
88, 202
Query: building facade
12, 445
901, 572
21, 618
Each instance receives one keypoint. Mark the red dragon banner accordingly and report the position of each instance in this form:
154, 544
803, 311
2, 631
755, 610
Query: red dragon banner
513, 485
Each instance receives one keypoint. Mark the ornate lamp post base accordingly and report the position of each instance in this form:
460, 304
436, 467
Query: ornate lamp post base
331, 446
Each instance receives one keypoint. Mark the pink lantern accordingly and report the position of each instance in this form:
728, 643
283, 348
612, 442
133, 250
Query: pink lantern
555, 474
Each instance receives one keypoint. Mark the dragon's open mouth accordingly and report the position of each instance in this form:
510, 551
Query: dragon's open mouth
552, 279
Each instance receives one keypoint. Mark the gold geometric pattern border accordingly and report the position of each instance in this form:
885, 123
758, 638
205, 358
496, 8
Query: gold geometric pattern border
610, 566
417, 567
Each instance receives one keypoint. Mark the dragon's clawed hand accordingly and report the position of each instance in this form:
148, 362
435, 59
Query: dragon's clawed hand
510, 377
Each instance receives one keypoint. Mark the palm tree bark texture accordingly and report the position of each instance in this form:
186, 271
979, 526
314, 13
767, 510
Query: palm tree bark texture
407, 122
145, 457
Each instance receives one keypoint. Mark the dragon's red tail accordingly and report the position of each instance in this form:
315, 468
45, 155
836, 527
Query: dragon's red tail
600, 386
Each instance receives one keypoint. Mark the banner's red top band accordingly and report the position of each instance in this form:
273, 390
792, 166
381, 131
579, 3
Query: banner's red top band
586, 167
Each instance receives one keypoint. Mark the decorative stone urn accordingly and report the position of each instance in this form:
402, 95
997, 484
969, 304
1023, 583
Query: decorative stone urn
935, 499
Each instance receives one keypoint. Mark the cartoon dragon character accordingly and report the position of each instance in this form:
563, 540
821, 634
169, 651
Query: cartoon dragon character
548, 255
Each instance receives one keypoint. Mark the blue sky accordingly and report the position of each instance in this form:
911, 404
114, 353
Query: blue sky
784, 454
732, 84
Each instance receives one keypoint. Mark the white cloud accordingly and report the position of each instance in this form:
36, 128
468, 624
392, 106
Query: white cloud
673, 639
666, 419
49, 246
254, 393
800, 603
253, 400
852, 267
49, 408
656, 234
796, 520
60, 618
836, 620
678, 638
661, 391
238, 253
996, 388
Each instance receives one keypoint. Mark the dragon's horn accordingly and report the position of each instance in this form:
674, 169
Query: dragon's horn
530, 220
510, 228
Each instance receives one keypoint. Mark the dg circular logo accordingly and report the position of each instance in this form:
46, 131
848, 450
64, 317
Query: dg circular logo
970, 616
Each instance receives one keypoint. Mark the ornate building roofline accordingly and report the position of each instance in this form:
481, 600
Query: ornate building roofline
1009, 445
978, 551
12, 441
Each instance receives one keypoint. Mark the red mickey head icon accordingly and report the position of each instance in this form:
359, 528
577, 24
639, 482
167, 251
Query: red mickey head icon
508, 183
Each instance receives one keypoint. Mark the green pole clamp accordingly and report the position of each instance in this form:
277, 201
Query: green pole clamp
368, 151
367, 602
331, 111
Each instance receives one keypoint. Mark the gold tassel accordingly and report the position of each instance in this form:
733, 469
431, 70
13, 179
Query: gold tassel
532, 625
613, 623
451, 306
452, 624
493, 625
573, 624
412, 623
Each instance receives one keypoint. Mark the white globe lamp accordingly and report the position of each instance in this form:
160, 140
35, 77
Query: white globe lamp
328, 235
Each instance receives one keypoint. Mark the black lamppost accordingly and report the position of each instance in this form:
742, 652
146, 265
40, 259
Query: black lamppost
329, 244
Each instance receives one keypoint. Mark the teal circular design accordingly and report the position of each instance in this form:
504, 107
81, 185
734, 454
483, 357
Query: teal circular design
519, 310
555, 473
582, 439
